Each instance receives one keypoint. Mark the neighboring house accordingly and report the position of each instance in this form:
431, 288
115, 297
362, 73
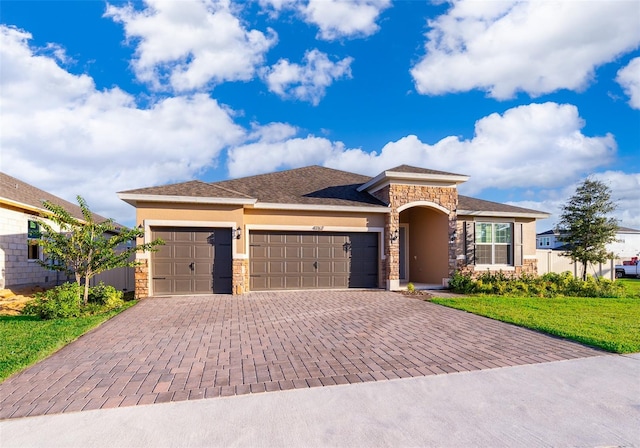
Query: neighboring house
626, 245
317, 227
20, 212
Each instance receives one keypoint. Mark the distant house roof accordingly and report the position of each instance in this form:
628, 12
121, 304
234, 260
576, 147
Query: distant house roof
312, 186
19, 194
627, 230
620, 230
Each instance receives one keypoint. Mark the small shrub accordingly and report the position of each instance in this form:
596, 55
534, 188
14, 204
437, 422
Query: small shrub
59, 302
106, 296
411, 287
461, 283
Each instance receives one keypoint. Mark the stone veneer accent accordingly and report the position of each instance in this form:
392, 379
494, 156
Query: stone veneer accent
142, 279
397, 195
240, 276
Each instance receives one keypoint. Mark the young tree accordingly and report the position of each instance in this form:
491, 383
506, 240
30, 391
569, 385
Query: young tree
585, 226
82, 247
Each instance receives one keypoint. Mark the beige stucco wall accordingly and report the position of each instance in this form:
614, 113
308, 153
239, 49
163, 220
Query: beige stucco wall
257, 217
189, 212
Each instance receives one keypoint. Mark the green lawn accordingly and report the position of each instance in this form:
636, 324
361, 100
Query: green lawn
27, 339
610, 324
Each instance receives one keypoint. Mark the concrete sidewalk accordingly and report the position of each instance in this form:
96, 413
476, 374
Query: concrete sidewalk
579, 403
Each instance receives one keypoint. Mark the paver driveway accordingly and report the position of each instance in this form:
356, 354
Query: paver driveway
183, 348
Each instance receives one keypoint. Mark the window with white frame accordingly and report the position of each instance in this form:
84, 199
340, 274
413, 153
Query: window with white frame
544, 241
494, 243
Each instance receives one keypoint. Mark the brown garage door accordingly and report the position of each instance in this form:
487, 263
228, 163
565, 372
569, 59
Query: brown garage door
295, 260
192, 261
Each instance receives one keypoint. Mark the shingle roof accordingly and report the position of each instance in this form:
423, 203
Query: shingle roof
308, 185
467, 203
311, 185
194, 188
21, 192
416, 170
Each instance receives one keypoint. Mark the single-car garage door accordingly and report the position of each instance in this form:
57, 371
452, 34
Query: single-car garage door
192, 261
299, 260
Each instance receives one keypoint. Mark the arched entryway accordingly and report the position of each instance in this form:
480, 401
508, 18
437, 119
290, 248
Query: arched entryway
424, 245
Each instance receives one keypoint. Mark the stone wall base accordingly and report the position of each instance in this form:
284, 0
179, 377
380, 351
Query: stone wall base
240, 276
141, 277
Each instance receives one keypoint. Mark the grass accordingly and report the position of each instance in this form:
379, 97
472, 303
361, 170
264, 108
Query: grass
609, 324
28, 339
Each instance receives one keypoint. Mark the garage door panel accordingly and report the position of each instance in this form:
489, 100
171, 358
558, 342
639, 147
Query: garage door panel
276, 267
258, 252
313, 260
162, 269
293, 252
163, 251
204, 252
276, 252
187, 237
259, 267
325, 252
183, 252
291, 267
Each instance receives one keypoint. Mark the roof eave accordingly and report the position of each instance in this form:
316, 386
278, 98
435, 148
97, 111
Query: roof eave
132, 198
496, 214
321, 207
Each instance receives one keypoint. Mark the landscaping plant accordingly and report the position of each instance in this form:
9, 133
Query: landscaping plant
82, 247
547, 285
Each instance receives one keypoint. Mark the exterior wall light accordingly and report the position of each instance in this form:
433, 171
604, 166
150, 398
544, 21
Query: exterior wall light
394, 235
236, 233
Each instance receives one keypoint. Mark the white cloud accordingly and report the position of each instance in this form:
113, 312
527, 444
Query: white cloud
62, 135
524, 147
624, 193
307, 82
629, 78
191, 44
533, 46
537, 146
269, 154
344, 18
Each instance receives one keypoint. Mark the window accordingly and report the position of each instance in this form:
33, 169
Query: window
33, 250
33, 233
544, 241
494, 243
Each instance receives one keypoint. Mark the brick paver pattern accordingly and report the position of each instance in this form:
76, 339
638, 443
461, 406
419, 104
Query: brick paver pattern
185, 348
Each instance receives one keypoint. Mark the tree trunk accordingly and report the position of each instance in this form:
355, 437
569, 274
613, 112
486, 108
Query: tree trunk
584, 271
86, 290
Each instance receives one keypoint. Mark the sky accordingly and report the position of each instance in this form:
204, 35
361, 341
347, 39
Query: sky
526, 98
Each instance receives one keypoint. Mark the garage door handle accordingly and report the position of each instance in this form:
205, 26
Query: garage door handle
315, 264
159, 278
191, 265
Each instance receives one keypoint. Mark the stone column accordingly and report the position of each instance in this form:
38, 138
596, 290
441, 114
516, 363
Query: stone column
141, 276
240, 276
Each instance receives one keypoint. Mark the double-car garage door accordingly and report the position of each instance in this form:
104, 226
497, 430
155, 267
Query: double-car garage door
300, 260
199, 261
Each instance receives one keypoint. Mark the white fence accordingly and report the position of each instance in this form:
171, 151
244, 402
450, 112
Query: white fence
121, 278
553, 261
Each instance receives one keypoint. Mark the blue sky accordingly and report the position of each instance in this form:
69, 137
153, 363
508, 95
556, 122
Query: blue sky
527, 98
